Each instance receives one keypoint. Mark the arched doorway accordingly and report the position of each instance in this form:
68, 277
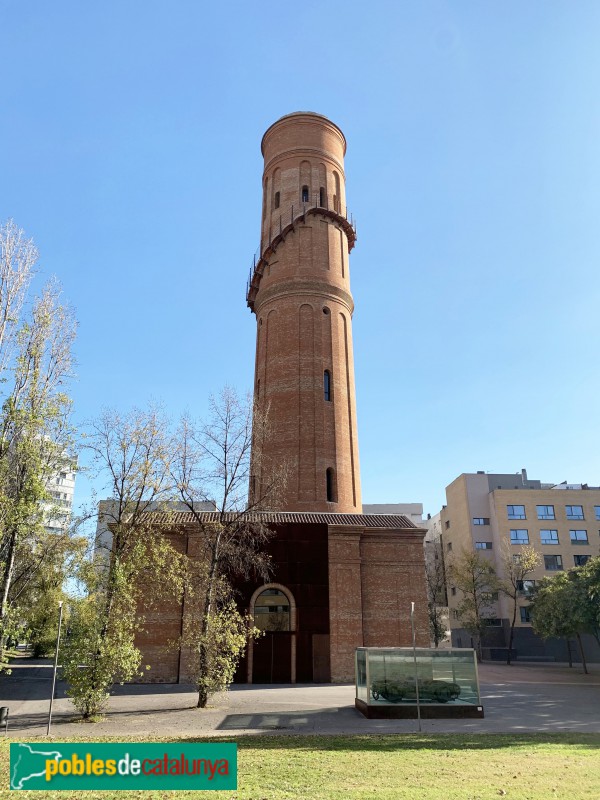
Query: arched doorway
272, 657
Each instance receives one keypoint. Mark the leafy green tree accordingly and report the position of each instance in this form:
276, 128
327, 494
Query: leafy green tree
475, 578
223, 639
39, 588
35, 434
563, 606
516, 567
131, 451
589, 575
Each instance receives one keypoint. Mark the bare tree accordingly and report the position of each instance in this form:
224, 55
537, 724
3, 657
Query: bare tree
516, 567
212, 463
435, 579
475, 578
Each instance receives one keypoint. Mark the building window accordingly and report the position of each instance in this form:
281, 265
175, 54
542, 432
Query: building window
454, 613
448, 546
553, 563
525, 615
305, 194
322, 197
453, 591
272, 611
545, 512
525, 587
327, 385
574, 512
481, 521
519, 536
330, 484
447, 524
548, 537
483, 545
597, 511
580, 561
578, 537
516, 512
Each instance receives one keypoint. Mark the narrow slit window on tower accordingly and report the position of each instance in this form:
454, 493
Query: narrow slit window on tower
322, 197
327, 384
305, 194
264, 209
330, 481
277, 199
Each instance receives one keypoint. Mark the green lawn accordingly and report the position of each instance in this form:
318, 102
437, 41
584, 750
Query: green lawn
401, 767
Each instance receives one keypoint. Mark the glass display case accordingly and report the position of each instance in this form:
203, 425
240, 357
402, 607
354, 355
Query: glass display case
388, 680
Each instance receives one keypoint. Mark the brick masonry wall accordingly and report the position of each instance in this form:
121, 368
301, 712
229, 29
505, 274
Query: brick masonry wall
352, 587
374, 575
304, 312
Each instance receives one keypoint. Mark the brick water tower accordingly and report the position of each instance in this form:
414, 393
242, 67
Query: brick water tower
299, 290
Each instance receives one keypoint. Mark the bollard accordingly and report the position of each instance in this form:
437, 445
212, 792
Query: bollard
4, 717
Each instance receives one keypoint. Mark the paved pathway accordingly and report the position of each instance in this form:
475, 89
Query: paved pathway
519, 698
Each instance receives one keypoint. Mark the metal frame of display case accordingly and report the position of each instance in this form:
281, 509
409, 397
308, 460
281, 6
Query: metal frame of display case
400, 708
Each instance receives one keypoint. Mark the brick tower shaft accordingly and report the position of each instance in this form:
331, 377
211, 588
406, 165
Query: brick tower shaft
300, 293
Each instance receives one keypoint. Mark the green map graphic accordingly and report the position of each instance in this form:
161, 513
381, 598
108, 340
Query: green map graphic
29, 763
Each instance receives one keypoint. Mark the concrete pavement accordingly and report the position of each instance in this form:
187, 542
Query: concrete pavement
517, 699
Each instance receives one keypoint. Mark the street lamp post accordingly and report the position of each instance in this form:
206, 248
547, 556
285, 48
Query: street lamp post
412, 624
60, 610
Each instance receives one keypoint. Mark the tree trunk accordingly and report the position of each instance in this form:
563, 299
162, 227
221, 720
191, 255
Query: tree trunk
512, 631
203, 648
570, 654
6, 582
585, 669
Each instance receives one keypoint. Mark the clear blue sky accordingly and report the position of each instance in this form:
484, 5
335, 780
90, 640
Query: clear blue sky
130, 152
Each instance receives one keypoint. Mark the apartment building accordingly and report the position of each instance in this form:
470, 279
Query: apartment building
496, 513
61, 489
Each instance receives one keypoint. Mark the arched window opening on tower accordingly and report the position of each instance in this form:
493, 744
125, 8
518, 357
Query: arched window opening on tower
331, 488
336, 196
322, 197
305, 194
326, 384
277, 199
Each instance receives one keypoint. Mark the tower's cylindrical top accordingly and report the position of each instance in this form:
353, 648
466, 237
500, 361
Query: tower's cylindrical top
303, 131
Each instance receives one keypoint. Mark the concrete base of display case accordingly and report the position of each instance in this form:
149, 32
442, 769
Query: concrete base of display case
428, 711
